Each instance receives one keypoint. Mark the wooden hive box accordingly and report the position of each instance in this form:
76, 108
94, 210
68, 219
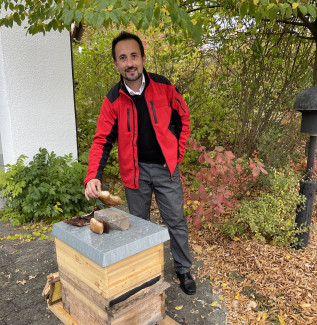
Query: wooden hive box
101, 273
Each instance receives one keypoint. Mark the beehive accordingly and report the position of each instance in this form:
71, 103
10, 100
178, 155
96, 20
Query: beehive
114, 278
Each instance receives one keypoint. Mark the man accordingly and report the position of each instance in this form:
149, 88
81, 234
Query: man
150, 120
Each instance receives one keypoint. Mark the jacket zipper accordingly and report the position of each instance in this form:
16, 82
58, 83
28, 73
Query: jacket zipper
153, 110
180, 105
128, 118
133, 143
155, 120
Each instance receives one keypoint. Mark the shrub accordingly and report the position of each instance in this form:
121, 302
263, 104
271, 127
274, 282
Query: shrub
219, 182
271, 215
49, 188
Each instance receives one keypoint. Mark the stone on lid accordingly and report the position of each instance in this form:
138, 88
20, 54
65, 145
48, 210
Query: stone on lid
116, 219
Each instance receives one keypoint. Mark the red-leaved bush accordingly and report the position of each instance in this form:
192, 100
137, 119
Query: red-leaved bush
221, 179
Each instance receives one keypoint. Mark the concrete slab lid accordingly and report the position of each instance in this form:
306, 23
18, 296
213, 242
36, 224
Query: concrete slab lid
115, 246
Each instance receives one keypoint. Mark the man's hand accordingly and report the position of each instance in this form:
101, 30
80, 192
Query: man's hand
93, 188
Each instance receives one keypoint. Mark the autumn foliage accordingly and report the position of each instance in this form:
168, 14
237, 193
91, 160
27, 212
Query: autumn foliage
220, 181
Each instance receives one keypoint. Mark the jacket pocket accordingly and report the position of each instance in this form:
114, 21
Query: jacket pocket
154, 113
128, 120
180, 104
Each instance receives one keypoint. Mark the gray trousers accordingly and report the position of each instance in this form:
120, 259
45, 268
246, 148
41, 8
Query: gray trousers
169, 198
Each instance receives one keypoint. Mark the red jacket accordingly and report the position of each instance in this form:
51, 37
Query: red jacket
118, 121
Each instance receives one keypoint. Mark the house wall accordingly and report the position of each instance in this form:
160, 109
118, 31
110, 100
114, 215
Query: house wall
1, 155
36, 94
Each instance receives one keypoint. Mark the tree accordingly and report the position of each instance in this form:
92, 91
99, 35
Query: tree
297, 18
46, 15
263, 72
299, 15
265, 52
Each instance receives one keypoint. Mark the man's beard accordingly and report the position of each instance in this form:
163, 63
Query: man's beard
137, 75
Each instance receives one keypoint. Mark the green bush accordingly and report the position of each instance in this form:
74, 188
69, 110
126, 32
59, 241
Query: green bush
94, 75
271, 215
50, 188
282, 142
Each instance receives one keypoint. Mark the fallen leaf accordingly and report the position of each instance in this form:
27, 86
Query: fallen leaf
214, 303
297, 320
236, 239
23, 282
305, 305
251, 305
176, 281
261, 316
179, 307
282, 321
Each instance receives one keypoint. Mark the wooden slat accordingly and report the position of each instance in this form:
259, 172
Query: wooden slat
144, 294
65, 318
82, 267
145, 307
147, 312
162, 258
122, 271
58, 310
115, 279
92, 295
81, 308
136, 280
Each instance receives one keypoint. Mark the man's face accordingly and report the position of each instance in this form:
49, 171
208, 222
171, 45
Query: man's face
129, 61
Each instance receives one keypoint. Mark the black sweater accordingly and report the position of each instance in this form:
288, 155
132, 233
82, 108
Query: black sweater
149, 150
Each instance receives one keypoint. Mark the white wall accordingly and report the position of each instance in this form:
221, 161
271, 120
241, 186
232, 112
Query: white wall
36, 94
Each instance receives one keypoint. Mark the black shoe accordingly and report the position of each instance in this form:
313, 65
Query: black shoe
187, 283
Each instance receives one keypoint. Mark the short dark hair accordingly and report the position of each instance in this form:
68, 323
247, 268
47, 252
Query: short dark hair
126, 36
